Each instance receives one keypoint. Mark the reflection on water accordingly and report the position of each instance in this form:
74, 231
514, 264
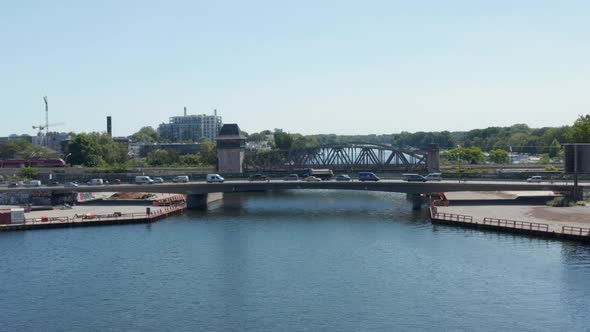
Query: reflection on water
292, 260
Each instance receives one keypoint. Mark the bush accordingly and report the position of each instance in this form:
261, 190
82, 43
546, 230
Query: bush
561, 202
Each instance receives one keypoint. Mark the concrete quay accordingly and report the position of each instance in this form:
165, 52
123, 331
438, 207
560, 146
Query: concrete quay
522, 213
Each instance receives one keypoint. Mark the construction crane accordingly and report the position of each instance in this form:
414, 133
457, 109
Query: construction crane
47, 124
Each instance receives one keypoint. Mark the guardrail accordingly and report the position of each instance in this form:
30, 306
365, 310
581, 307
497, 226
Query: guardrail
575, 230
516, 224
452, 217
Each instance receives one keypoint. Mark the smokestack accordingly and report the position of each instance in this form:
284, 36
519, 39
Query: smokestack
215, 112
109, 127
185, 111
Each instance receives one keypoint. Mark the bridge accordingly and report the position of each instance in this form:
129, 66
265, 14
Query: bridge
195, 191
347, 157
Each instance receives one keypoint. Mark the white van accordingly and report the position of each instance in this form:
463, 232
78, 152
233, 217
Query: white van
434, 177
142, 179
95, 182
180, 178
33, 183
211, 178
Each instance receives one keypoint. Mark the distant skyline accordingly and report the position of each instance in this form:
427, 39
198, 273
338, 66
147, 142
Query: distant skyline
309, 67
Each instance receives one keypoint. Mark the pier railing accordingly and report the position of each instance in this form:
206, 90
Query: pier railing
452, 217
516, 224
575, 230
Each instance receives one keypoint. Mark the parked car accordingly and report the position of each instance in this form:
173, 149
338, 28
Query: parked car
412, 177
158, 180
535, 178
15, 184
258, 177
212, 178
116, 181
291, 177
343, 177
368, 176
180, 178
312, 178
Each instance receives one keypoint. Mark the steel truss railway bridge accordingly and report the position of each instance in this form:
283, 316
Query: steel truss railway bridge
346, 157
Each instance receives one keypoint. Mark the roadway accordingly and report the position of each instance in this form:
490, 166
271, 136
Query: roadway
388, 185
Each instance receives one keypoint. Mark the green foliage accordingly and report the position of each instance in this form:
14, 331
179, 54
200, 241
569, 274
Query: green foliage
283, 141
552, 168
561, 202
464, 155
95, 150
29, 173
162, 158
208, 152
256, 137
580, 131
190, 160
146, 135
499, 156
544, 159
21, 148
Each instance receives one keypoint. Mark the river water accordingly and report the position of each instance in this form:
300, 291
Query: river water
291, 261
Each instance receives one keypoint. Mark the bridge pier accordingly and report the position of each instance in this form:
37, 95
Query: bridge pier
416, 200
199, 201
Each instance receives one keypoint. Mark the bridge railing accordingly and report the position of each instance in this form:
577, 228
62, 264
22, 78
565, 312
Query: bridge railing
516, 224
575, 230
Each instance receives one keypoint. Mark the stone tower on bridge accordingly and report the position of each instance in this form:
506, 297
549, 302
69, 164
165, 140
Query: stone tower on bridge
433, 159
231, 148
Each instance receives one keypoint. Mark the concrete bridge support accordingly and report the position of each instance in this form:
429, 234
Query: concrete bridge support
416, 200
199, 201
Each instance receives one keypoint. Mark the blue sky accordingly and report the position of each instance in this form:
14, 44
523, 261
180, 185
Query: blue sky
344, 67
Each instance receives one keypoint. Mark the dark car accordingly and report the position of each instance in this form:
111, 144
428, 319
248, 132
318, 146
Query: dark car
53, 184
116, 181
258, 177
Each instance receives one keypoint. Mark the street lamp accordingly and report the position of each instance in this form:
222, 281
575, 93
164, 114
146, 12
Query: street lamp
66, 171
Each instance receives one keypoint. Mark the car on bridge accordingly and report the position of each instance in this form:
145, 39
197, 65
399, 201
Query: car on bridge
312, 178
368, 176
291, 177
343, 177
258, 177
158, 180
413, 177
535, 178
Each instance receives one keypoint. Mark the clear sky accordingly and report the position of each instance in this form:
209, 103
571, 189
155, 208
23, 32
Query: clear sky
344, 67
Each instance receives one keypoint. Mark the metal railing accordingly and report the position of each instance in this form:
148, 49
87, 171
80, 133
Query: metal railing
575, 230
155, 213
452, 217
516, 224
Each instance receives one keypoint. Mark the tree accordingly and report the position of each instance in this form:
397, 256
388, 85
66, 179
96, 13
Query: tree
554, 149
580, 131
464, 155
283, 141
544, 159
190, 160
499, 156
162, 158
95, 149
146, 135
29, 173
208, 152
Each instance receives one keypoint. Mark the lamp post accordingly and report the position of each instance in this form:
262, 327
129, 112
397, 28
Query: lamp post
66, 162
